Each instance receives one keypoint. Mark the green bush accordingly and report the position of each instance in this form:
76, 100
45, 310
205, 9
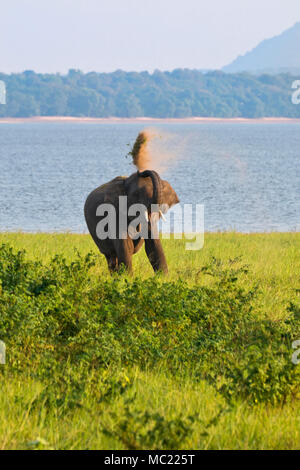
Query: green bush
77, 334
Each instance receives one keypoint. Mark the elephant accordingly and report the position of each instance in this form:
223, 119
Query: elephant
143, 187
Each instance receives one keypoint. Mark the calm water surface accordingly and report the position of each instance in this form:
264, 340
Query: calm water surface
246, 175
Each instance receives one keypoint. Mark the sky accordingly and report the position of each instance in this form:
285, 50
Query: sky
106, 35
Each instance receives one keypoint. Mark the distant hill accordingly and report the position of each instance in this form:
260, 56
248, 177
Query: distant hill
178, 94
279, 54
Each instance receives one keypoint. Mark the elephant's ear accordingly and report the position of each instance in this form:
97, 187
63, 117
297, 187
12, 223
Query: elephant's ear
169, 195
114, 189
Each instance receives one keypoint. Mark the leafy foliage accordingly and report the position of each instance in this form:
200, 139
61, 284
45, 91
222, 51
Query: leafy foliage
140, 429
78, 334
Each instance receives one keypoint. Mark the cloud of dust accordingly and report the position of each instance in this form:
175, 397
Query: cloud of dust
156, 150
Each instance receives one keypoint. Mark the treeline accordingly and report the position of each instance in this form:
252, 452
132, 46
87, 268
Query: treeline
177, 94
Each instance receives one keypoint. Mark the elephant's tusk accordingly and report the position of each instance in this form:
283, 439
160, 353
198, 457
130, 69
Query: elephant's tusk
162, 216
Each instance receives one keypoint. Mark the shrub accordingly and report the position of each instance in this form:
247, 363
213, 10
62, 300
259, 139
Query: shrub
69, 330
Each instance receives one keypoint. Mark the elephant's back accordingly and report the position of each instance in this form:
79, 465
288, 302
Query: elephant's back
106, 193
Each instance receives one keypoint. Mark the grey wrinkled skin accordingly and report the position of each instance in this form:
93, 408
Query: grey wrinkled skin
140, 188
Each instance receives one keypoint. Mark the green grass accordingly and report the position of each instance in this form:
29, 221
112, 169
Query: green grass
199, 360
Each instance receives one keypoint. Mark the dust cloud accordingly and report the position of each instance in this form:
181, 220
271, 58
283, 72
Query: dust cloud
156, 150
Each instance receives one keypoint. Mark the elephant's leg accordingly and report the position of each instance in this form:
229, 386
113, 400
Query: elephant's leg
156, 255
112, 262
125, 250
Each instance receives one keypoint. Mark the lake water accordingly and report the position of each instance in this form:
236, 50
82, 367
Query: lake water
245, 174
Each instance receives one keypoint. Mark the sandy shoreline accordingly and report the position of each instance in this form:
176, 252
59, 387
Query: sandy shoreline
145, 120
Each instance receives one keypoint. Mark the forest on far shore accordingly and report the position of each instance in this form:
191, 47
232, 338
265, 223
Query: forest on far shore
178, 94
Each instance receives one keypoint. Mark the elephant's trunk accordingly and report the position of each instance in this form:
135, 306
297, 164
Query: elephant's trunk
157, 185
